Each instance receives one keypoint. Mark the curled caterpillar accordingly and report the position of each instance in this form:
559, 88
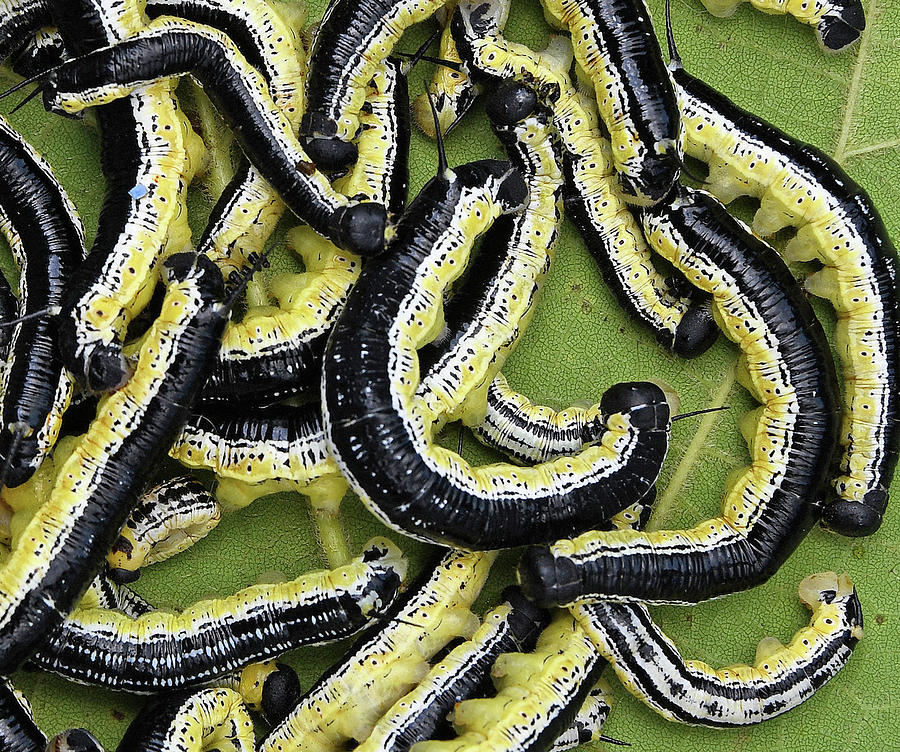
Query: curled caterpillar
62, 547
350, 44
799, 185
191, 721
783, 677
369, 378
169, 518
273, 354
216, 637
148, 152
511, 627
771, 506
538, 695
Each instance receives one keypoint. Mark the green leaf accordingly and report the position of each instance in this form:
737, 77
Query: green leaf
580, 343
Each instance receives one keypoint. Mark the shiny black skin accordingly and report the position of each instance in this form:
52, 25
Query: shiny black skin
280, 694
52, 248
359, 228
336, 49
234, 424
842, 516
794, 503
120, 477
695, 333
18, 731
625, 36
18, 27
214, 649
371, 439
8, 311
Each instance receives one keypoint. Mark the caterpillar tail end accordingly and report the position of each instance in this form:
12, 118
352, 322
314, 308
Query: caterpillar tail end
840, 29
856, 519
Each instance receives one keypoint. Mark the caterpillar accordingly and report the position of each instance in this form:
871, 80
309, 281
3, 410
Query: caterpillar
47, 239
452, 91
610, 232
838, 22
172, 47
44, 49
369, 382
388, 659
538, 695
801, 186
772, 504
350, 44
616, 46
587, 725
62, 546
486, 315
213, 718
513, 626
270, 355
147, 147
652, 669
169, 518
248, 209
533, 433
107, 594
213, 638
18, 731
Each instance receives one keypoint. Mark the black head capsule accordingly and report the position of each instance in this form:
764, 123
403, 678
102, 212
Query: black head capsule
323, 146
696, 331
359, 228
510, 103
856, 519
654, 180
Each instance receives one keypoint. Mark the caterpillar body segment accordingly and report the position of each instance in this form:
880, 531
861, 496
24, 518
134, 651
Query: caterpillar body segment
531, 433
798, 185
276, 442
273, 354
169, 518
772, 504
47, 240
388, 660
217, 637
588, 723
484, 318
615, 44
104, 593
370, 377
18, 731
452, 91
62, 547
538, 695
652, 668
214, 718
511, 627
350, 44
43, 50
173, 47
679, 321
146, 150
838, 23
